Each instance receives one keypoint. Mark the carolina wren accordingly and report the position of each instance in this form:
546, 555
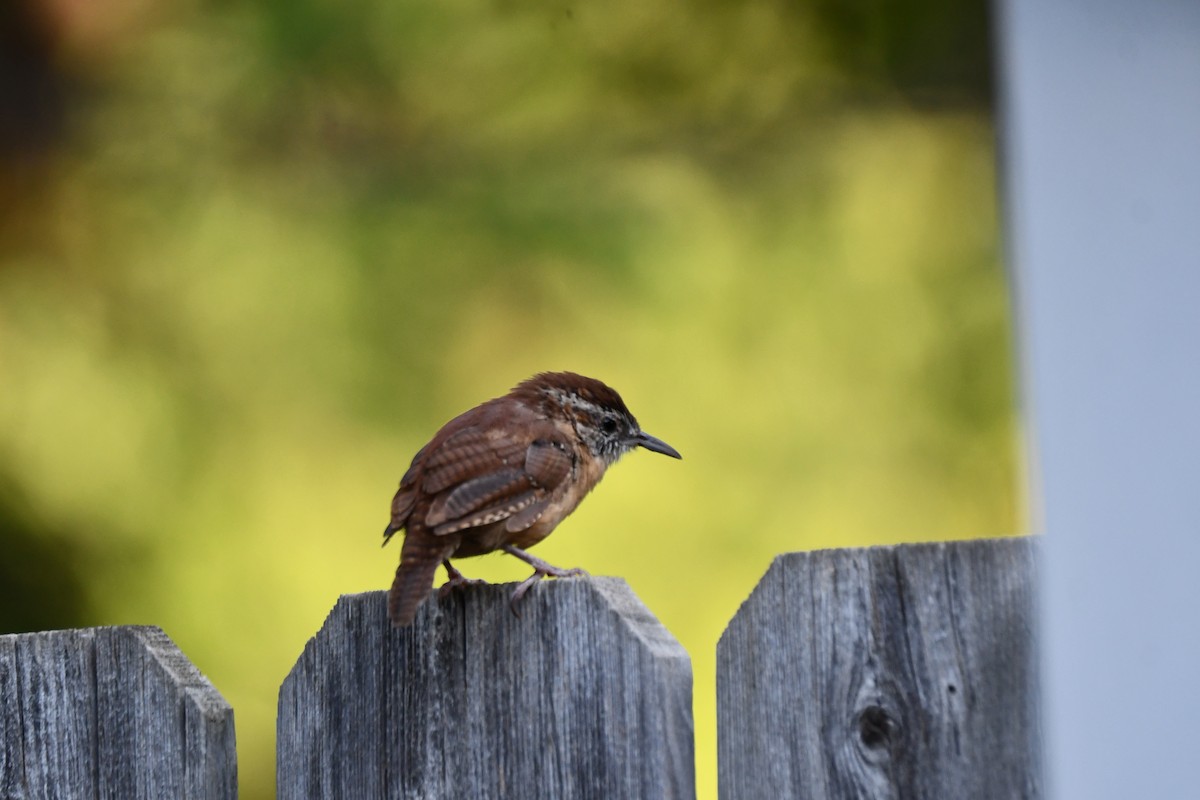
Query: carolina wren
502, 476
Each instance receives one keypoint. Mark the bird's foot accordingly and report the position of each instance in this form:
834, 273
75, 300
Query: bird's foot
541, 569
457, 580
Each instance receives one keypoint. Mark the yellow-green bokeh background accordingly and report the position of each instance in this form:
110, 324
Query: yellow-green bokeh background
252, 255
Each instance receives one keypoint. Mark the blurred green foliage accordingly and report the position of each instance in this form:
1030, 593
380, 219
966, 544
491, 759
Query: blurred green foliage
252, 254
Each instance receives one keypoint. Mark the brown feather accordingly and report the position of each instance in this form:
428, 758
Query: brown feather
489, 515
548, 462
477, 493
419, 560
467, 455
526, 517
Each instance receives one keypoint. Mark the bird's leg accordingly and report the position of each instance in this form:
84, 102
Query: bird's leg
457, 580
541, 569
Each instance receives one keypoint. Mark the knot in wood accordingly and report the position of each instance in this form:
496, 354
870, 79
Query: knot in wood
882, 716
876, 728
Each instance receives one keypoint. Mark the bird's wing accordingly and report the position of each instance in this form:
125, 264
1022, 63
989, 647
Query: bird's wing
549, 462
478, 477
406, 497
469, 454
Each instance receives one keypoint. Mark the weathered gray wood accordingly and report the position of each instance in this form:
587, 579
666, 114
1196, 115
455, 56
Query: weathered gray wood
586, 695
890, 672
110, 713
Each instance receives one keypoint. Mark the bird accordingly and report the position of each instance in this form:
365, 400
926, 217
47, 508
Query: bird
502, 476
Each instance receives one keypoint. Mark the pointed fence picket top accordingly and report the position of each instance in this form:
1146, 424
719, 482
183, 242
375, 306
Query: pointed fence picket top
110, 713
586, 695
888, 672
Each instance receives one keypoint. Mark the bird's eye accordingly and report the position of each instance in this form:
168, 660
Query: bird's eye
609, 425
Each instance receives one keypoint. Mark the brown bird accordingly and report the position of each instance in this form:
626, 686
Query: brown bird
502, 476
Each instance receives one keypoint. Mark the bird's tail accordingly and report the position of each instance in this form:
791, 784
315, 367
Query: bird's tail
418, 563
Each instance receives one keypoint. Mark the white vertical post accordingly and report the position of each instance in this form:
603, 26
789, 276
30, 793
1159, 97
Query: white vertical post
1101, 140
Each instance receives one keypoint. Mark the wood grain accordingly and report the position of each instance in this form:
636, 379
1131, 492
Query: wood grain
890, 672
586, 695
110, 713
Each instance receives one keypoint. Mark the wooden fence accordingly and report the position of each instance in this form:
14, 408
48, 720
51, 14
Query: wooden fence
110, 713
891, 672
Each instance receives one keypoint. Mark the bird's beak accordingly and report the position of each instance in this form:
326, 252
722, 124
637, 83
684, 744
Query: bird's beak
649, 442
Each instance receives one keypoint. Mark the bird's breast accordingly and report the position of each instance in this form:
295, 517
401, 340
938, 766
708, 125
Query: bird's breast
588, 472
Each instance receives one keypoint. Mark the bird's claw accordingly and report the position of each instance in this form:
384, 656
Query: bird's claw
558, 572
456, 580
457, 583
538, 574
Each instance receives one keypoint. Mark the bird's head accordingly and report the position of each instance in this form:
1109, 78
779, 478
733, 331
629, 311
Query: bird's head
598, 414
